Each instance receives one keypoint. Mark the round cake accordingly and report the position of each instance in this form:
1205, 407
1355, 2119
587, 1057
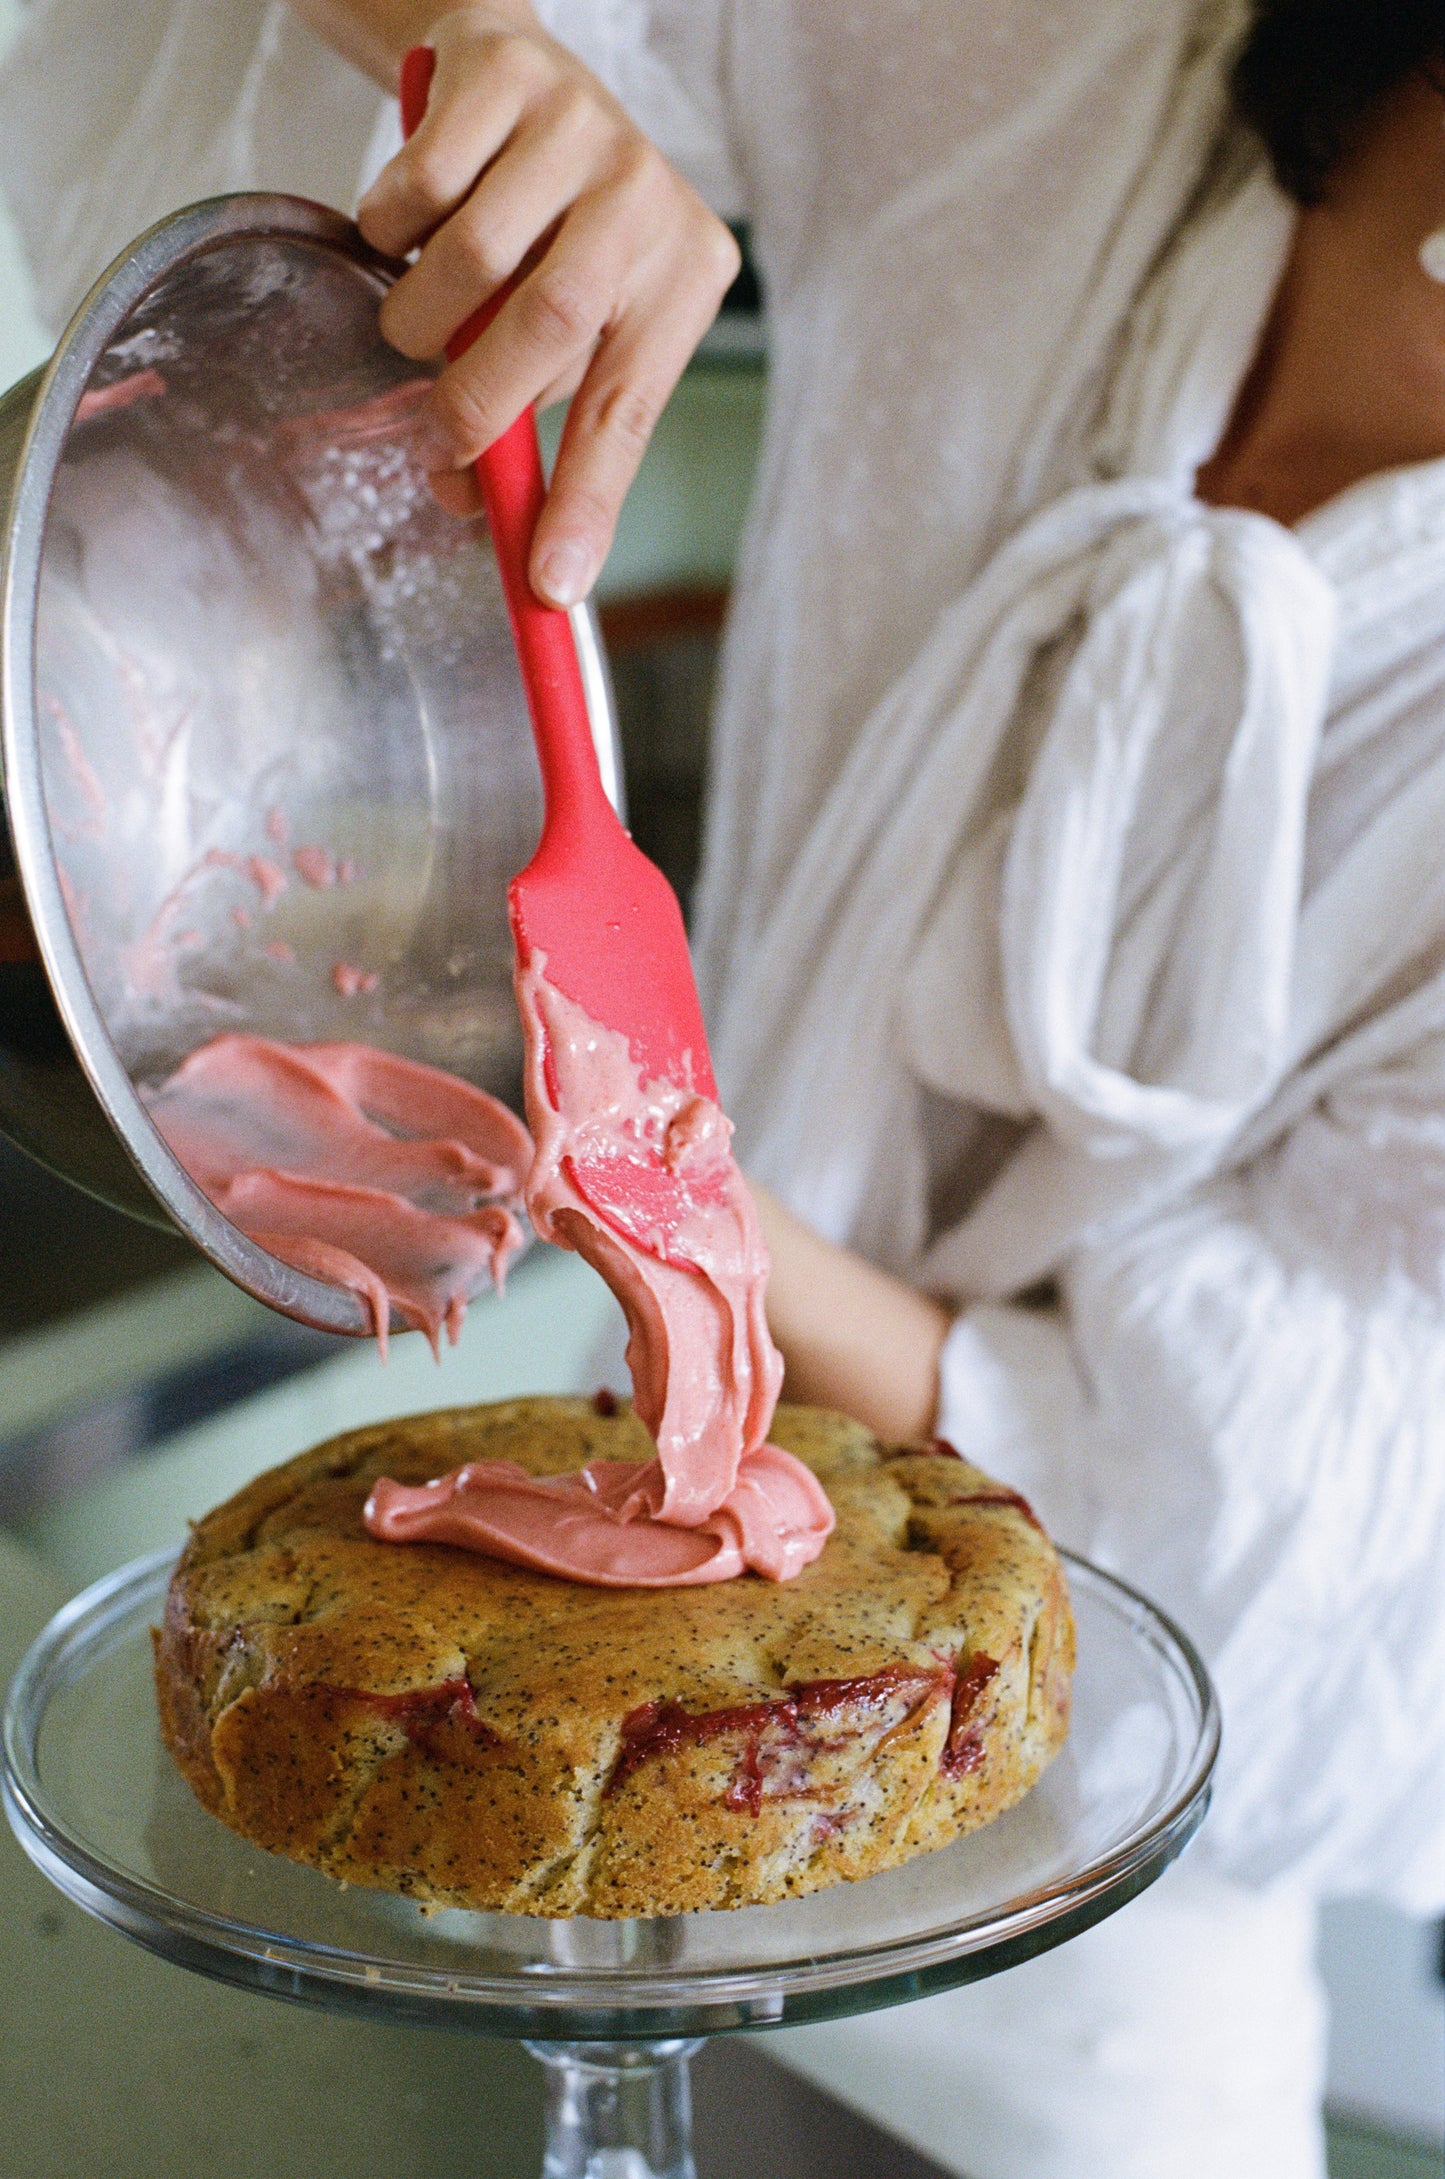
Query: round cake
422, 1719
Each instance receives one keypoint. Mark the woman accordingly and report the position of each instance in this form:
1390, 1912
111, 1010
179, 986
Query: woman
1071, 922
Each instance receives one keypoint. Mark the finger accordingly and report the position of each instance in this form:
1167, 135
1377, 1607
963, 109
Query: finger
457, 490
608, 429
548, 161
644, 232
563, 388
480, 88
544, 331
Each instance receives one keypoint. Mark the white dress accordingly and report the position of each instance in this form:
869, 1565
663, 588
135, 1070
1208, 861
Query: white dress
1072, 909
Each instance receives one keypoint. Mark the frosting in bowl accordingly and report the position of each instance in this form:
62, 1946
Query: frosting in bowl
364, 1169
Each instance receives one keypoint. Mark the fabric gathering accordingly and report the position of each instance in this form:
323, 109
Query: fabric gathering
1071, 927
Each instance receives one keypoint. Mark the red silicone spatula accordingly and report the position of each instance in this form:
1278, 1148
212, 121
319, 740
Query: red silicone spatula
604, 917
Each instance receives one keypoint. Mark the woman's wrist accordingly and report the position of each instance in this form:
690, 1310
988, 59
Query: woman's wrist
851, 1337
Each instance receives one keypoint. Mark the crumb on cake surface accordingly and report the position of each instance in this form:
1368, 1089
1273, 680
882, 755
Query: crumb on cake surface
426, 1720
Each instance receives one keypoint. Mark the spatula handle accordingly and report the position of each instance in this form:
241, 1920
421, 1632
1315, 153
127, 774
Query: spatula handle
513, 489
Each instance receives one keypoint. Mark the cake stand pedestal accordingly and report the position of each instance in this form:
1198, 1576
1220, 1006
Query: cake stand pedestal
618, 2110
614, 2010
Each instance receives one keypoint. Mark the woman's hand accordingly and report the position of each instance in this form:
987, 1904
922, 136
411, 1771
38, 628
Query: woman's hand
851, 1337
526, 170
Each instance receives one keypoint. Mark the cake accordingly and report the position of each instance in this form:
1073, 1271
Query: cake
473, 1734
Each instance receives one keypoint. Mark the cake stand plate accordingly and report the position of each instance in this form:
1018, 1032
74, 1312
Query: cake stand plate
612, 2008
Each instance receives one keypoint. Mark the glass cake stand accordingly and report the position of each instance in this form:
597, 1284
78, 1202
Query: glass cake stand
614, 2010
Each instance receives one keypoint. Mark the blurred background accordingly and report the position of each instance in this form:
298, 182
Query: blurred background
137, 1387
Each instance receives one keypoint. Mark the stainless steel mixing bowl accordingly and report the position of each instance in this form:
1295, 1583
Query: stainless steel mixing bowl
266, 757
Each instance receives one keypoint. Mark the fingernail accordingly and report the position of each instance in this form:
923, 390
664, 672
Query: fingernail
566, 572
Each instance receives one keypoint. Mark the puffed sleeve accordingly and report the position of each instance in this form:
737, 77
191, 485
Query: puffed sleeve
1239, 1405
110, 117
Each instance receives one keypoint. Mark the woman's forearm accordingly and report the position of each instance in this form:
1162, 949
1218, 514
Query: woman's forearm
374, 34
851, 1337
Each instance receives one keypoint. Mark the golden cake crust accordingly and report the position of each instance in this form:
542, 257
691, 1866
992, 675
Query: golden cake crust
425, 1720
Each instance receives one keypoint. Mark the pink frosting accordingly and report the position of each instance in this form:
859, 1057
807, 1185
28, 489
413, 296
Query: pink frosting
104, 400
602, 1524
366, 1170
638, 1176
315, 866
149, 963
347, 980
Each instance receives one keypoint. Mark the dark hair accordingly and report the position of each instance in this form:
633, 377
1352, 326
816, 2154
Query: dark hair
1312, 73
